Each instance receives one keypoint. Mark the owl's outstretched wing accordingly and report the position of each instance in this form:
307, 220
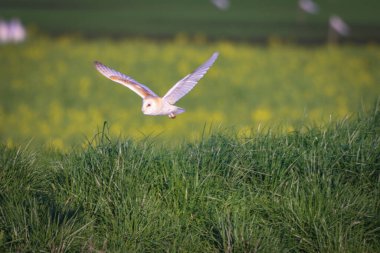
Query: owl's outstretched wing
118, 77
182, 87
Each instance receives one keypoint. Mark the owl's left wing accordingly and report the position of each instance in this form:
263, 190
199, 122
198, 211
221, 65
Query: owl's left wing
182, 87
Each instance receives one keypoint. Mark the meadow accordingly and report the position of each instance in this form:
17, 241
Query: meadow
278, 149
315, 189
51, 94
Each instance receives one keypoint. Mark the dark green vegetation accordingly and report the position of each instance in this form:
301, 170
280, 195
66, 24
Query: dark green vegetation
313, 190
246, 19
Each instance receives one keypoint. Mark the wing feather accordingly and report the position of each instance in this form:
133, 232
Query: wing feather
186, 84
127, 81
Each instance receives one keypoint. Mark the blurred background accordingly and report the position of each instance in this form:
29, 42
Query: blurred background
281, 63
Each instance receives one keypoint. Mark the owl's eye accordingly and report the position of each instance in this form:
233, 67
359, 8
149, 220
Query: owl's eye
148, 105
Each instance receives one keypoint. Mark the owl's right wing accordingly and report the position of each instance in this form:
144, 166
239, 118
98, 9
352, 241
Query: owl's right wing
127, 81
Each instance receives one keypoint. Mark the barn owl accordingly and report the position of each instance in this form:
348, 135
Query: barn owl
152, 103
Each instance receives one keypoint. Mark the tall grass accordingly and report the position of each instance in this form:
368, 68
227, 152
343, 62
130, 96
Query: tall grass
313, 190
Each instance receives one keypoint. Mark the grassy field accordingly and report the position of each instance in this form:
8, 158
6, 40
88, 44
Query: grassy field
51, 94
245, 20
315, 189
271, 154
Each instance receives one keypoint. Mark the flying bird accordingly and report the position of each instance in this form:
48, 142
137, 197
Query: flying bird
152, 103
308, 6
339, 25
221, 4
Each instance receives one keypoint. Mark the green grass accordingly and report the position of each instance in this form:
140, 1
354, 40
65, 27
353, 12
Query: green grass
315, 189
246, 19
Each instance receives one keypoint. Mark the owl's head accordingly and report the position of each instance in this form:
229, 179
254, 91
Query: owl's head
150, 106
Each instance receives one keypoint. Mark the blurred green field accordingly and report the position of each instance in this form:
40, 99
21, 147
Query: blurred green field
51, 94
252, 20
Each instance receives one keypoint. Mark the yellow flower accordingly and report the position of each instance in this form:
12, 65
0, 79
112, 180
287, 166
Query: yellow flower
261, 115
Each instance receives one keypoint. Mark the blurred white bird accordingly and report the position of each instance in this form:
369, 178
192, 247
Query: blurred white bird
4, 32
308, 6
12, 31
17, 31
339, 26
152, 103
221, 4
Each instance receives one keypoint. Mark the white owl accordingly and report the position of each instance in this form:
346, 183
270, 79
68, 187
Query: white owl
153, 104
